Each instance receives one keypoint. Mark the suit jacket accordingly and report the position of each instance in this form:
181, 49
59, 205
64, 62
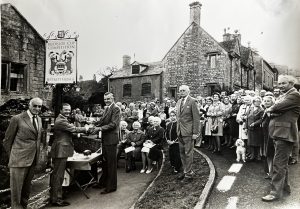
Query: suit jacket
287, 110
22, 141
62, 146
110, 124
188, 119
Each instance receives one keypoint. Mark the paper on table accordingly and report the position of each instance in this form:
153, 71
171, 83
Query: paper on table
129, 149
145, 149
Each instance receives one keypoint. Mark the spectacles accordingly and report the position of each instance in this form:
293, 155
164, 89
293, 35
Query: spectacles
36, 106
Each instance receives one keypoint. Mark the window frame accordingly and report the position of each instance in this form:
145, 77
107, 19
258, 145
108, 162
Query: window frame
14, 69
148, 89
128, 92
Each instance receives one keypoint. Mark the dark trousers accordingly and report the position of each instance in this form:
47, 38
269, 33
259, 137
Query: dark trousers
280, 181
186, 149
174, 155
57, 178
109, 167
20, 185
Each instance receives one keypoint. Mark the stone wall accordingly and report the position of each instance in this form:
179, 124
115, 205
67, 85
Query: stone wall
22, 44
116, 87
188, 63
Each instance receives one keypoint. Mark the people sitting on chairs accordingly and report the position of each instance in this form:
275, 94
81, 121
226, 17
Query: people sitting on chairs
134, 142
152, 146
122, 139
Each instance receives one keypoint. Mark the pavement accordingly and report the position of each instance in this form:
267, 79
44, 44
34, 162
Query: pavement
240, 185
130, 187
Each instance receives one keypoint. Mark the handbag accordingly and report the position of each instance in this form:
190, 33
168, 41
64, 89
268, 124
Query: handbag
214, 128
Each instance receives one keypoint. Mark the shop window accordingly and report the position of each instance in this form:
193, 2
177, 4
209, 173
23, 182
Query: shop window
146, 89
127, 90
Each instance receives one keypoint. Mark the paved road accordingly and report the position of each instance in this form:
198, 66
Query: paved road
248, 185
130, 187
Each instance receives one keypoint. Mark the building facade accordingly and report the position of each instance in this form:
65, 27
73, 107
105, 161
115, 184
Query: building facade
197, 60
22, 58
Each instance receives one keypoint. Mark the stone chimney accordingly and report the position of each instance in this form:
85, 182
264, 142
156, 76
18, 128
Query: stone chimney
126, 60
227, 37
195, 12
237, 35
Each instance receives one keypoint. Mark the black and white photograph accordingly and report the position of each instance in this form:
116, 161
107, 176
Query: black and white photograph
148, 104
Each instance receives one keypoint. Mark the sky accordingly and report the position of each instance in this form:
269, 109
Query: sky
147, 29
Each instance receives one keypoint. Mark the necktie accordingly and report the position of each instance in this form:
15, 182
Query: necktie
181, 104
34, 122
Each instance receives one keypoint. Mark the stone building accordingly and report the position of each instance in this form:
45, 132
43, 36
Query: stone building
197, 60
23, 57
137, 81
266, 75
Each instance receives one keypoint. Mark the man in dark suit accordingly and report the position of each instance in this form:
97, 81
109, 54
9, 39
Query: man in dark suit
109, 127
188, 119
22, 144
283, 129
61, 149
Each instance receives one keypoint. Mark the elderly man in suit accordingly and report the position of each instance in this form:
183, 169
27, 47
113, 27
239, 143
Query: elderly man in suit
22, 144
188, 119
283, 129
109, 127
61, 149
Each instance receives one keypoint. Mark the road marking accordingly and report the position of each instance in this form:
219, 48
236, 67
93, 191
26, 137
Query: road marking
232, 202
226, 183
235, 168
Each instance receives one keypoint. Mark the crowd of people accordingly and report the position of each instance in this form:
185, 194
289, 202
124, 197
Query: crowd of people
266, 123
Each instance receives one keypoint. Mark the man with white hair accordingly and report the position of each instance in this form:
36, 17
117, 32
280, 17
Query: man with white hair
22, 144
284, 130
188, 123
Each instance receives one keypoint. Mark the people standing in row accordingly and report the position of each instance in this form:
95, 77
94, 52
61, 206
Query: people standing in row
62, 148
284, 130
109, 126
188, 119
22, 144
172, 140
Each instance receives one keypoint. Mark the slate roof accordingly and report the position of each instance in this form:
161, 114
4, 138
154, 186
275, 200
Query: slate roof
154, 68
228, 45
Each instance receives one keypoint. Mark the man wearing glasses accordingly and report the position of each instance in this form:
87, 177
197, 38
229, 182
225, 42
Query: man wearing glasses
22, 142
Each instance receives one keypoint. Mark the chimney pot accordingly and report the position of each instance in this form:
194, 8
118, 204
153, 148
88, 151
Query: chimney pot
195, 12
126, 60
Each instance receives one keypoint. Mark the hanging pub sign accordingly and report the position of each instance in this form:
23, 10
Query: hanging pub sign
61, 61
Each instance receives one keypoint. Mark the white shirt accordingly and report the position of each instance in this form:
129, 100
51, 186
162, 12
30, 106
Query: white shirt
31, 118
184, 100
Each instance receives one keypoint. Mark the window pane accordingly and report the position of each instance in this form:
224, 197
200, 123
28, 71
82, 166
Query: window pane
17, 78
135, 69
146, 89
127, 90
213, 61
4, 68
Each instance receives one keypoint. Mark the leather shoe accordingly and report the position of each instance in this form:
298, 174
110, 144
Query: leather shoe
180, 176
186, 180
60, 203
293, 162
108, 191
98, 186
269, 198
